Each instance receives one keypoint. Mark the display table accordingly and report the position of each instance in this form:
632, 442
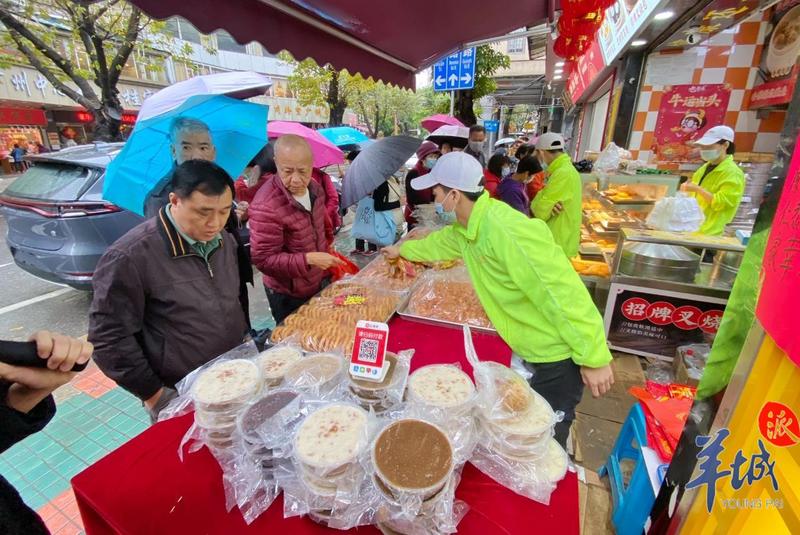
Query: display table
143, 487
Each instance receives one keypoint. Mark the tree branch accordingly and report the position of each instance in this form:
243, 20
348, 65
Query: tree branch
23, 32
128, 42
34, 60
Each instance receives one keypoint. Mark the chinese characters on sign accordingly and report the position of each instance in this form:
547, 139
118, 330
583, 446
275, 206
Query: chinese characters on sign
741, 471
778, 424
777, 304
646, 323
779, 59
686, 112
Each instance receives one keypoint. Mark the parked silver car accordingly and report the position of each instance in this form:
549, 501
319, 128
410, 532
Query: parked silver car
58, 223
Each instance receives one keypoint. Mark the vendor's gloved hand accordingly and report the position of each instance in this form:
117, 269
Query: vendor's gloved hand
392, 252
599, 380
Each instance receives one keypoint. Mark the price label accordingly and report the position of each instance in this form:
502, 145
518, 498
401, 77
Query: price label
367, 361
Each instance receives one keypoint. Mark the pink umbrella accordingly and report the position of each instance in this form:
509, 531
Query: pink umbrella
435, 121
325, 153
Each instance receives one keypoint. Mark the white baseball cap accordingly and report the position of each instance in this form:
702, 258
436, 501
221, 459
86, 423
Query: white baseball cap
550, 141
455, 170
715, 135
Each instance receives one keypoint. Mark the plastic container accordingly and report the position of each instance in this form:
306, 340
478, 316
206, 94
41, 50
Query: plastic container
275, 361
226, 386
322, 371
413, 457
330, 440
441, 386
532, 449
553, 465
259, 412
527, 428
377, 390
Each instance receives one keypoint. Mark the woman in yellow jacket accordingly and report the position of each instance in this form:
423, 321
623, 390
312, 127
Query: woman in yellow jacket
719, 184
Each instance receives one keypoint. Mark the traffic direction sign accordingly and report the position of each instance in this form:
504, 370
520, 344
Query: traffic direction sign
456, 71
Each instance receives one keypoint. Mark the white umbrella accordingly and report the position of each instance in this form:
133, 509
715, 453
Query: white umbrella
505, 141
449, 130
241, 85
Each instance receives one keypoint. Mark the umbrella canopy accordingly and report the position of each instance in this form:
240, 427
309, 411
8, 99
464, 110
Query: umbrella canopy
457, 136
375, 165
343, 136
238, 131
239, 85
437, 121
325, 153
505, 141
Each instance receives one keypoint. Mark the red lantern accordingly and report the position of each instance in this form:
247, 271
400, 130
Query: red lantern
577, 8
605, 4
560, 46
583, 25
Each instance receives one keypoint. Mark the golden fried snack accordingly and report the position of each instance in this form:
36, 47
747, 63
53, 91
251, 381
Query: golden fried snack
448, 300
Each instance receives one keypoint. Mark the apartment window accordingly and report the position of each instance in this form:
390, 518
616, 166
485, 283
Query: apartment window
516, 45
150, 68
188, 32
225, 41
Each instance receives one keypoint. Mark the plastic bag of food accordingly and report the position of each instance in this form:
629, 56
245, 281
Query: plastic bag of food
397, 275
680, 213
610, 159
384, 395
320, 375
448, 296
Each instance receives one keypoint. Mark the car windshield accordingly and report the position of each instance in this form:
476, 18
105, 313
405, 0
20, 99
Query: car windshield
52, 182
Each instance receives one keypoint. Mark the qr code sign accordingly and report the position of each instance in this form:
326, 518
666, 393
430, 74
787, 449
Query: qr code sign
368, 350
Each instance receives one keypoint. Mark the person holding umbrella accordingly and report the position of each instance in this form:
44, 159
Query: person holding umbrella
289, 237
427, 155
529, 290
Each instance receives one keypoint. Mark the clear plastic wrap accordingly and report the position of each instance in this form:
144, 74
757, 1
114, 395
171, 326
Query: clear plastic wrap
397, 276
387, 394
274, 361
534, 478
321, 375
680, 213
448, 295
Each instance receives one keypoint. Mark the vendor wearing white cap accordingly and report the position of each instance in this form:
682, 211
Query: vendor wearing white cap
559, 203
527, 287
719, 184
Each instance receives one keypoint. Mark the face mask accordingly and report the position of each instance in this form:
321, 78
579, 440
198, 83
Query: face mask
709, 155
430, 162
476, 146
506, 172
446, 217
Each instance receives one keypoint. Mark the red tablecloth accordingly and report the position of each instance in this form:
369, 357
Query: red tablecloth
143, 487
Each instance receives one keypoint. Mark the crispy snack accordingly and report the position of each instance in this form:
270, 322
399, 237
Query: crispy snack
448, 298
396, 275
591, 268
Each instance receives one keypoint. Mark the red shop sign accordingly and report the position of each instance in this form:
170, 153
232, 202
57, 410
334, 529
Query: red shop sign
588, 68
774, 93
23, 116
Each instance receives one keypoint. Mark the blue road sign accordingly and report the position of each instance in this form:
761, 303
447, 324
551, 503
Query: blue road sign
491, 126
456, 71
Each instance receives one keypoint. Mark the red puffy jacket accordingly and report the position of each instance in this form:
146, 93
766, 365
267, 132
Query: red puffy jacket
331, 196
282, 232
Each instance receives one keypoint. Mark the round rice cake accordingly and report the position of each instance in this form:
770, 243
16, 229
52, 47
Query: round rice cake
441, 385
274, 362
331, 437
227, 382
315, 370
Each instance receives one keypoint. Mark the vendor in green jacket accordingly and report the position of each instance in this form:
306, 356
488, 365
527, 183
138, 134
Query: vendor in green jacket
559, 203
528, 288
718, 185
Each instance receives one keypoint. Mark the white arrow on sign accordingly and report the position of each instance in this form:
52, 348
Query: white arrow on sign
440, 80
453, 79
466, 78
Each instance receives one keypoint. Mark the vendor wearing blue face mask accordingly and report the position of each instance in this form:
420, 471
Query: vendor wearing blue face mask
719, 184
427, 155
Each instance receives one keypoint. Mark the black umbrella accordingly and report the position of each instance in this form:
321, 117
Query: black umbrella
375, 165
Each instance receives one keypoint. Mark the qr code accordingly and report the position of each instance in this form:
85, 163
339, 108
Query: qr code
368, 350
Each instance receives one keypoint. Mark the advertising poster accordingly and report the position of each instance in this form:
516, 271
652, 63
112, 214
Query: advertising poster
779, 58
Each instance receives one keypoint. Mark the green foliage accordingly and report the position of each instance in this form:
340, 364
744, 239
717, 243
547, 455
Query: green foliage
488, 62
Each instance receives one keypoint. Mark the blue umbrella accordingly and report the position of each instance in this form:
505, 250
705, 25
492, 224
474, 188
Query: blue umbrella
238, 130
343, 135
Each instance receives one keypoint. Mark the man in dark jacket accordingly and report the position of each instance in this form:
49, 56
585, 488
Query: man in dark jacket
477, 144
289, 240
27, 406
166, 294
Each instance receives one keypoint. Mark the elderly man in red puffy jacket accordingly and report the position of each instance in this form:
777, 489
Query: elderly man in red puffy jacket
289, 237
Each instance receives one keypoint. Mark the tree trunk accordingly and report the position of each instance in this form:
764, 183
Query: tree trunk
336, 103
464, 107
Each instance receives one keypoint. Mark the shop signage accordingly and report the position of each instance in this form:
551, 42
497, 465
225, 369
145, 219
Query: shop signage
456, 71
587, 70
651, 322
778, 426
779, 58
686, 112
780, 293
623, 19
717, 16
491, 126
22, 116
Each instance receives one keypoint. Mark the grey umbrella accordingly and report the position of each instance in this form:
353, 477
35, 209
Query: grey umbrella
374, 165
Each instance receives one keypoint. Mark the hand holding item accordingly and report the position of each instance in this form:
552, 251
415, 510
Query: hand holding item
322, 260
241, 210
392, 252
599, 380
31, 385
558, 208
689, 187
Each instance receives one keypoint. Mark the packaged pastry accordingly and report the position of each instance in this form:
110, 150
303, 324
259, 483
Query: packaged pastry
412, 456
228, 383
321, 372
448, 296
441, 385
275, 361
329, 441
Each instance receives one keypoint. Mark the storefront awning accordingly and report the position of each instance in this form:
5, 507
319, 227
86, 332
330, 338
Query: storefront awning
385, 40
